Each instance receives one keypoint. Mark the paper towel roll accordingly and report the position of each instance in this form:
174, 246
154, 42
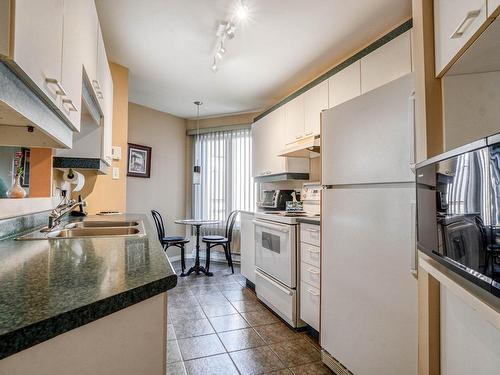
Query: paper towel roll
75, 178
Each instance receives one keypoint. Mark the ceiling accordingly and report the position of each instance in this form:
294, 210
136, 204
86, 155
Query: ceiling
168, 45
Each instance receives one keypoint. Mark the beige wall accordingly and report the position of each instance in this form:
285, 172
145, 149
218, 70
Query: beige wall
101, 192
165, 191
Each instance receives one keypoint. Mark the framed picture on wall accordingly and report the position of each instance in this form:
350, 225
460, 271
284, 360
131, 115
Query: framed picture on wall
139, 161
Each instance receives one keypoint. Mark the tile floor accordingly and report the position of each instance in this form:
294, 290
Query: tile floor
216, 325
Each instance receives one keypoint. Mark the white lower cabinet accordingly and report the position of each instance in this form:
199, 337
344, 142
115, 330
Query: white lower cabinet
247, 246
310, 274
309, 305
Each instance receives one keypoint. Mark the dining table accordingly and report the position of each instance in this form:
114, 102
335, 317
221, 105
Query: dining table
197, 224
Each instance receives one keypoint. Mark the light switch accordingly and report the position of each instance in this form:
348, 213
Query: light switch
116, 152
116, 173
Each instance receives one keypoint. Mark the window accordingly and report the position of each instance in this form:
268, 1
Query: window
226, 181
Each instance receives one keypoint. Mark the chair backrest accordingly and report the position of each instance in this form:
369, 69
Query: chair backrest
231, 220
160, 228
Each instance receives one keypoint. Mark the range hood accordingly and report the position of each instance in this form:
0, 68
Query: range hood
307, 147
87, 151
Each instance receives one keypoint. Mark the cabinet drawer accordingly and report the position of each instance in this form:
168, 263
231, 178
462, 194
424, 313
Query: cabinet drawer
310, 254
310, 274
310, 234
309, 305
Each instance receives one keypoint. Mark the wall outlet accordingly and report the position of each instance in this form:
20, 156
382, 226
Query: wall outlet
116, 152
116, 173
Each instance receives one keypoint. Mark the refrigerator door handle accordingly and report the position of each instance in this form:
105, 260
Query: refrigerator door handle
411, 121
326, 187
413, 239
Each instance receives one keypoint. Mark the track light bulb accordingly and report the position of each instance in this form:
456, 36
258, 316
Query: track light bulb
214, 66
242, 11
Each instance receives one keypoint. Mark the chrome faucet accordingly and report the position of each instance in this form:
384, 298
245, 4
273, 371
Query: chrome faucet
61, 210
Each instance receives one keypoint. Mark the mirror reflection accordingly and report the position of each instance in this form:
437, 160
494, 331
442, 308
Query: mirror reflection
14, 172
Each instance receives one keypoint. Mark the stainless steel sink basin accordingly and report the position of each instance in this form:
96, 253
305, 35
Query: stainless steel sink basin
89, 229
102, 224
94, 232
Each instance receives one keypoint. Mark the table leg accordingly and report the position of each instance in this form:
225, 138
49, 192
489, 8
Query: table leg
197, 268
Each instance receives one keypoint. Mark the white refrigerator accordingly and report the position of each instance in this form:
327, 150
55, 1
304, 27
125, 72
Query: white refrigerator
368, 288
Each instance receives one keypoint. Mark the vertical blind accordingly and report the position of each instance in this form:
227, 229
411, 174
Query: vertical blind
226, 180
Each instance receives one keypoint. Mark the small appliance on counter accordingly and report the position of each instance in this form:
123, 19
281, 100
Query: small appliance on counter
275, 199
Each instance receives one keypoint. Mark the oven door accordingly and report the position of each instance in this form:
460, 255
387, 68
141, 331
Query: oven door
275, 250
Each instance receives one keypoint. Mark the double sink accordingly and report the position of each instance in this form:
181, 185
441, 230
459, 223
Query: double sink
85, 229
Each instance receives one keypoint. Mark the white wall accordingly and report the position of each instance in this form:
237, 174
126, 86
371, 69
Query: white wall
165, 191
471, 107
469, 344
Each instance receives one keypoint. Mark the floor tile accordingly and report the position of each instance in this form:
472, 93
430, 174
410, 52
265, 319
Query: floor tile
245, 306
170, 332
213, 298
274, 333
193, 328
176, 368
179, 301
241, 339
183, 314
317, 368
173, 352
256, 360
296, 352
239, 295
201, 346
285, 371
215, 365
259, 318
204, 289
179, 290
230, 286
228, 322
221, 309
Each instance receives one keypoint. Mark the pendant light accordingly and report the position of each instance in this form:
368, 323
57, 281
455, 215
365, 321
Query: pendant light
197, 166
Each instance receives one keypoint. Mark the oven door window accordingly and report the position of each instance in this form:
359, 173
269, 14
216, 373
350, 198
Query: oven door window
271, 242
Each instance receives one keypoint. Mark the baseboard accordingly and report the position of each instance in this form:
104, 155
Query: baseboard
333, 364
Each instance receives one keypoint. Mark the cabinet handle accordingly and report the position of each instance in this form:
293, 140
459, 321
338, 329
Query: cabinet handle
466, 22
69, 103
313, 251
298, 137
95, 83
99, 95
311, 230
310, 291
313, 271
60, 90
309, 133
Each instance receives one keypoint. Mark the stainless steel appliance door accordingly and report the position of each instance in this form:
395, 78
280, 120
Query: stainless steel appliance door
275, 250
368, 294
370, 139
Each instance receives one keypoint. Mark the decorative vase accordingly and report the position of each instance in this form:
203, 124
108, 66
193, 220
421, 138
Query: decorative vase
16, 191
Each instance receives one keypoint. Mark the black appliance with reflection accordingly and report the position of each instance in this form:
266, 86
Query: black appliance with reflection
458, 214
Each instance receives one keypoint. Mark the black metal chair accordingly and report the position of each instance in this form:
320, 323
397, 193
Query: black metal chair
167, 241
225, 242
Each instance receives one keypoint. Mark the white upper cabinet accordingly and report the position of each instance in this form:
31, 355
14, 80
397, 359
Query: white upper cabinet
294, 119
455, 22
315, 100
74, 35
89, 25
258, 147
387, 63
345, 85
493, 6
38, 33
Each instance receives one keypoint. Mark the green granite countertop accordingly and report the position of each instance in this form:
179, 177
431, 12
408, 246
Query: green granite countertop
48, 287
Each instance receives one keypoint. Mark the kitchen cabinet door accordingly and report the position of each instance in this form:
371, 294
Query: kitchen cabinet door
258, 147
102, 69
247, 247
387, 63
294, 119
274, 141
74, 47
455, 22
493, 7
89, 25
345, 85
38, 31
107, 94
315, 100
